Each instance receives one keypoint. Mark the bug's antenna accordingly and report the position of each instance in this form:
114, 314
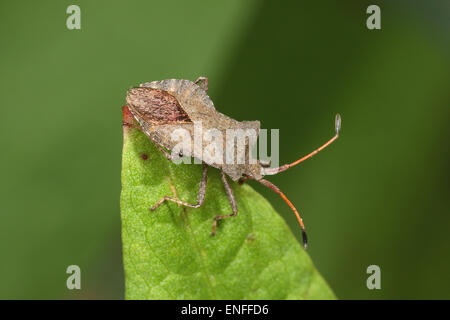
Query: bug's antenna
273, 187
269, 171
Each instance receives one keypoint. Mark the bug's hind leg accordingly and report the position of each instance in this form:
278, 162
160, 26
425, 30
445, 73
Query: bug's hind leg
232, 203
200, 196
202, 82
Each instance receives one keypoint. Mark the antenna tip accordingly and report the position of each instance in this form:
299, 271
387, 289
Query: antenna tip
337, 123
305, 239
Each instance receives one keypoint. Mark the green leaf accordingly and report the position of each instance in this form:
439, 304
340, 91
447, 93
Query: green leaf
170, 254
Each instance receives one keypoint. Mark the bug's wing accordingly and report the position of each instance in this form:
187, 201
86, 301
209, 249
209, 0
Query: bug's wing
171, 136
186, 91
155, 106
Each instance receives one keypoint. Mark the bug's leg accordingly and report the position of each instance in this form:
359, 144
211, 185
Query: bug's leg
202, 82
232, 203
268, 171
274, 188
200, 196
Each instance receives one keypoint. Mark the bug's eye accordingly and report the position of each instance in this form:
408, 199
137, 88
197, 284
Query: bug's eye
265, 163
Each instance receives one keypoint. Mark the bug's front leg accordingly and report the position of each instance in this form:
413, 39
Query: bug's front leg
200, 196
234, 208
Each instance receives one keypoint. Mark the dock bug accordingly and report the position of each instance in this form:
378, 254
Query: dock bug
161, 107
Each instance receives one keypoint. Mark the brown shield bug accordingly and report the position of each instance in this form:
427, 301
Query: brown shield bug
161, 107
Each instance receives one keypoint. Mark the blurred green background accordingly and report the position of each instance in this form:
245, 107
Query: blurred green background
380, 195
